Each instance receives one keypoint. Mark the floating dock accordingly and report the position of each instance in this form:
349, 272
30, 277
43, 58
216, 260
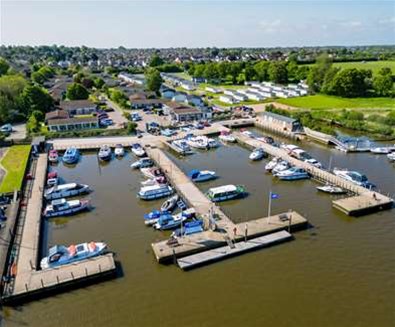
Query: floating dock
166, 252
28, 279
364, 202
234, 249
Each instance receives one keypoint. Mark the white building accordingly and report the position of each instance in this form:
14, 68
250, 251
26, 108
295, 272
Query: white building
254, 96
187, 86
240, 97
213, 90
227, 99
132, 79
229, 92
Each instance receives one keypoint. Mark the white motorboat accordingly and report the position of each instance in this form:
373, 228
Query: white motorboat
353, 176
226, 136
167, 221
152, 172
198, 142
155, 192
331, 189
71, 155
257, 154
153, 217
62, 207
119, 151
391, 156
314, 162
281, 166
201, 175
182, 147
60, 255
212, 143
170, 204
66, 190
138, 150
105, 153
53, 156
292, 174
142, 163
381, 150
273, 163
154, 181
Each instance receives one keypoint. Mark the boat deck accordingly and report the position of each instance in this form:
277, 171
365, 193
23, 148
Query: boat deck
227, 251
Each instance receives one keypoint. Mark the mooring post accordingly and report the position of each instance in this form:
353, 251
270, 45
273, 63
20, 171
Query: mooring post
42, 283
26, 287
289, 221
86, 271
72, 275
99, 267
174, 257
57, 279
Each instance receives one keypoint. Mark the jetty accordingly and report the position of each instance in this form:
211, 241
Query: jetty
363, 201
224, 252
27, 278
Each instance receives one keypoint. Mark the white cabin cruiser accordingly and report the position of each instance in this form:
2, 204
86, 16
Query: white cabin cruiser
66, 190
391, 156
119, 151
105, 153
226, 136
331, 189
62, 207
257, 154
138, 150
281, 166
273, 163
142, 163
353, 176
60, 255
155, 192
381, 150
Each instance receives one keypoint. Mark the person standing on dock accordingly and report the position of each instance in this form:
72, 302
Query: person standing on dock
235, 231
245, 232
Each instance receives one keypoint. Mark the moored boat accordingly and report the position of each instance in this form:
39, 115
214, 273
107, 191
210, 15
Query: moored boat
381, 150
226, 136
166, 222
353, 176
182, 147
212, 143
281, 166
61, 255
331, 189
152, 172
138, 150
66, 190
292, 174
201, 175
226, 192
62, 207
273, 163
154, 181
142, 163
189, 228
391, 156
53, 156
104, 153
119, 151
170, 204
71, 155
154, 192
257, 154
152, 217
198, 142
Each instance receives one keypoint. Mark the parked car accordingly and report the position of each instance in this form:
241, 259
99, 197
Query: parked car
7, 128
135, 116
106, 122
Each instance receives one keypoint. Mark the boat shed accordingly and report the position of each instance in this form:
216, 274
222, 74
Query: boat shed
286, 123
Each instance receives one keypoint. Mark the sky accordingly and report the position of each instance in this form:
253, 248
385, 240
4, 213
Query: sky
196, 23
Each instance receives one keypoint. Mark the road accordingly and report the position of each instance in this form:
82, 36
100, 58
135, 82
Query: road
18, 132
116, 115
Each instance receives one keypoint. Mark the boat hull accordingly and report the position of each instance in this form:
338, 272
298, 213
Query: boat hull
67, 212
67, 194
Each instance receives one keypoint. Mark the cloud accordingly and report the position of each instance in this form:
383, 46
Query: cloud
387, 21
351, 24
270, 26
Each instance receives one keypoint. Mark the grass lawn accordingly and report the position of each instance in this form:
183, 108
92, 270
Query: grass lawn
14, 162
331, 102
374, 66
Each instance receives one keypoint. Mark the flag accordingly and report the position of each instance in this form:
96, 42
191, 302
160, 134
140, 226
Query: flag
274, 196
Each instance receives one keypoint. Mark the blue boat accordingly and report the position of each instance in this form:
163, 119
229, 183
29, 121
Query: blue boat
71, 155
153, 217
154, 192
189, 228
201, 175
292, 174
166, 222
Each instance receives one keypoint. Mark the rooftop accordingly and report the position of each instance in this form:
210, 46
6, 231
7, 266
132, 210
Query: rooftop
76, 104
279, 117
66, 121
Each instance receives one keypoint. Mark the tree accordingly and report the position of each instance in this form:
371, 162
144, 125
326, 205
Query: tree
327, 85
156, 61
98, 82
33, 125
4, 66
153, 80
350, 82
316, 76
261, 68
382, 82
36, 99
211, 72
87, 82
76, 91
292, 68
119, 97
278, 72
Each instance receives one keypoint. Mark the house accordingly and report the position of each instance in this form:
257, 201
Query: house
227, 99
182, 113
254, 96
144, 101
71, 124
213, 90
199, 80
56, 114
194, 100
207, 112
281, 94
187, 86
167, 93
78, 107
283, 122
132, 79
240, 97
179, 97
229, 92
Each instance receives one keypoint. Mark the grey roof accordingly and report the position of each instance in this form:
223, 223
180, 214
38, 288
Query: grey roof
73, 120
280, 117
76, 104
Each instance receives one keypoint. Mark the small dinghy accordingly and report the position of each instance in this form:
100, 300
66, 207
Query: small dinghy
201, 175
331, 189
257, 154
170, 204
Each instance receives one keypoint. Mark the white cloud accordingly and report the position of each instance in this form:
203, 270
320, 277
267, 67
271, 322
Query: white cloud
387, 21
270, 26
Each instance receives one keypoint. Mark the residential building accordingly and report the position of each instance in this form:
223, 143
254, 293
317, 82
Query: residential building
78, 107
213, 89
182, 113
227, 99
283, 122
132, 79
71, 124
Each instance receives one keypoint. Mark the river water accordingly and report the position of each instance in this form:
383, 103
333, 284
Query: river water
341, 272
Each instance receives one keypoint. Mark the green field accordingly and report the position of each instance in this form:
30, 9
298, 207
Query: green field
14, 162
331, 102
374, 66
